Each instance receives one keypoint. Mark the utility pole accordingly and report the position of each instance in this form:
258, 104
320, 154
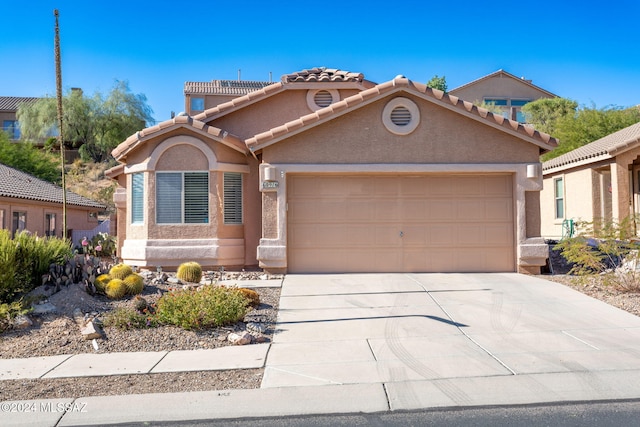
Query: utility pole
60, 128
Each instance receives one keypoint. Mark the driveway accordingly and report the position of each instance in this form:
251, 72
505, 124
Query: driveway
453, 339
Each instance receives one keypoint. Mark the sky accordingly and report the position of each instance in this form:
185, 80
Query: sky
575, 49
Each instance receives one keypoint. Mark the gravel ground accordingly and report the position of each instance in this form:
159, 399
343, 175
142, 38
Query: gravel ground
58, 334
54, 334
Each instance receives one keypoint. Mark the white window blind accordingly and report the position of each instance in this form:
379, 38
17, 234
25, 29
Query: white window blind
232, 198
182, 197
196, 197
169, 198
137, 198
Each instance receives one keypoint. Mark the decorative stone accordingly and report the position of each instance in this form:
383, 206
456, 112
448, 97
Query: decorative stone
240, 339
91, 331
174, 281
22, 322
255, 327
78, 317
44, 308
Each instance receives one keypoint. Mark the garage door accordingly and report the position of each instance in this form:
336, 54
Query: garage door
377, 223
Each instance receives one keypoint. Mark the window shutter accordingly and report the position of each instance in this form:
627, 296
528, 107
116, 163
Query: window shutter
232, 198
137, 198
196, 197
169, 198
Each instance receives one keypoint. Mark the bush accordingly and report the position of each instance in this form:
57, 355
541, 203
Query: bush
8, 312
128, 318
207, 306
189, 272
24, 259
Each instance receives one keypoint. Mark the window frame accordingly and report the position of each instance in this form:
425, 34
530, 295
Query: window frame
558, 200
15, 227
182, 193
49, 218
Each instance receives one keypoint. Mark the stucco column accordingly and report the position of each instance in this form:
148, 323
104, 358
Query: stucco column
620, 189
120, 200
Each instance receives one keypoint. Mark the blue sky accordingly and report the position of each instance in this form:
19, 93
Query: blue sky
586, 53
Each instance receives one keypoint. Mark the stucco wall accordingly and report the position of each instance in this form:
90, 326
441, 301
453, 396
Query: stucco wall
498, 87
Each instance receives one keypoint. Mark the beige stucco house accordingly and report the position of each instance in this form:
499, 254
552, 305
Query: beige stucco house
325, 171
29, 203
504, 90
598, 182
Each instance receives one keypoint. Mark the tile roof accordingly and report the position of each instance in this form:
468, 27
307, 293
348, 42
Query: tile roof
21, 185
224, 87
11, 103
322, 74
400, 83
178, 121
504, 73
600, 149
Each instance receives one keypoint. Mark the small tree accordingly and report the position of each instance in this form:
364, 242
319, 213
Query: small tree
439, 83
29, 159
544, 113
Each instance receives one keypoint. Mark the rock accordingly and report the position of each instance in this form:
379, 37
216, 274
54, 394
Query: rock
44, 308
78, 317
260, 339
240, 339
255, 327
22, 321
91, 331
174, 281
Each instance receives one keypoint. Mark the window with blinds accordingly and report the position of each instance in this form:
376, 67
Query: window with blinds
232, 198
182, 197
137, 198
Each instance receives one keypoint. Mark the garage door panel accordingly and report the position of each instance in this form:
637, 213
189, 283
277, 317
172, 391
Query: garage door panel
441, 223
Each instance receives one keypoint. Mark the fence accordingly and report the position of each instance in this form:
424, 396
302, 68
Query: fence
78, 235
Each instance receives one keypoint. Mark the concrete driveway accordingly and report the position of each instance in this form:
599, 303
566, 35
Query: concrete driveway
438, 340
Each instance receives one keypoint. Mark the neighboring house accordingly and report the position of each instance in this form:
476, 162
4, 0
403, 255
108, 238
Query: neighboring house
503, 90
8, 109
199, 96
29, 203
325, 171
597, 182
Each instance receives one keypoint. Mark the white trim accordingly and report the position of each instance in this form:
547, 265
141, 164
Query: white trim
311, 94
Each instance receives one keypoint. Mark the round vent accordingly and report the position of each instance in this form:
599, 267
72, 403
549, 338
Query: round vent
401, 116
323, 98
320, 98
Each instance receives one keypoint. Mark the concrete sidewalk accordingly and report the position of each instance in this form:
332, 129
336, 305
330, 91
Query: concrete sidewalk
380, 342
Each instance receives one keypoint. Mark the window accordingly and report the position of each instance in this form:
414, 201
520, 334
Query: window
182, 197
19, 222
232, 198
2, 226
197, 104
511, 108
50, 224
12, 128
137, 198
558, 186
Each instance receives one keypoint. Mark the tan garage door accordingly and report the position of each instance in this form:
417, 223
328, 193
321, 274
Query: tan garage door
377, 223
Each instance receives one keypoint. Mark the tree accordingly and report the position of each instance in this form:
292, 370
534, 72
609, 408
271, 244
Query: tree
95, 125
544, 113
439, 83
29, 159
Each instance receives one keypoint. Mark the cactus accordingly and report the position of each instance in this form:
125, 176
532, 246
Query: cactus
252, 296
115, 289
189, 272
134, 284
101, 282
120, 271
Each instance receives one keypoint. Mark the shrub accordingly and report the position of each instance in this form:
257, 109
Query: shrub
9, 311
189, 272
134, 284
205, 307
128, 318
252, 296
115, 289
24, 259
120, 271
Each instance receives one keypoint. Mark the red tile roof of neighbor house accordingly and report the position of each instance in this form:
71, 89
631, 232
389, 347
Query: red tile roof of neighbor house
224, 87
603, 148
11, 103
398, 84
177, 122
20, 185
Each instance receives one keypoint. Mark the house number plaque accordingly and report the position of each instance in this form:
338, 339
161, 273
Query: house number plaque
270, 184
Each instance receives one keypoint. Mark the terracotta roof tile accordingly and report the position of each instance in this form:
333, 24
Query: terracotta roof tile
224, 87
322, 74
544, 140
20, 185
179, 120
602, 148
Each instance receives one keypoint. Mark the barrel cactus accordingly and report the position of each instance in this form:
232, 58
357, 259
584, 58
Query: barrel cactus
115, 289
101, 282
252, 296
189, 272
120, 271
134, 284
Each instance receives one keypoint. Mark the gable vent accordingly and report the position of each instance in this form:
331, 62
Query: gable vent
401, 116
323, 98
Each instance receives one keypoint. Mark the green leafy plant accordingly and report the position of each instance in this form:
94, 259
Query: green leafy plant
9, 311
189, 272
208, 306
129, 318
